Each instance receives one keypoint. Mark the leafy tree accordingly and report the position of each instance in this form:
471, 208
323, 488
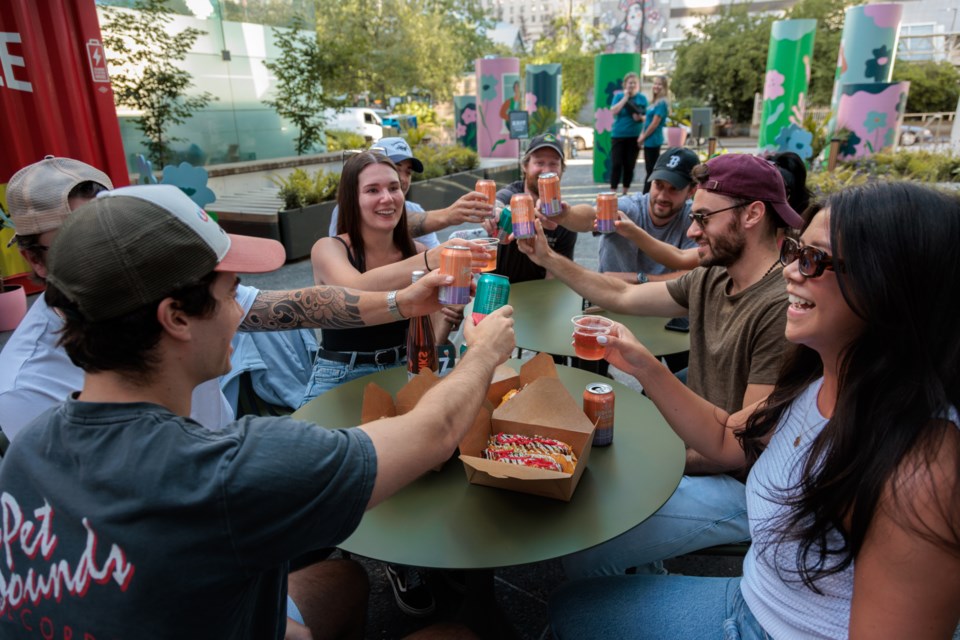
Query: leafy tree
724, 57
722, 61
147, 74
302, 71
573, 45
393, 47
934, 86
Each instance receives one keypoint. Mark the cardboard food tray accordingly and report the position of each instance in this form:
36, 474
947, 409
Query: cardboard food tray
543, 407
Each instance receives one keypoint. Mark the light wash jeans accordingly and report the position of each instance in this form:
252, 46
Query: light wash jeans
654, 607
704, 511
327, 374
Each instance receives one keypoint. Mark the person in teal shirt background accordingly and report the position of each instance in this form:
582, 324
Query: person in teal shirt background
652, 136
629, 108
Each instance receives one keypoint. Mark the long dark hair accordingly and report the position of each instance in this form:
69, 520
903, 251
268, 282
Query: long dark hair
794, 173
348, 203
897, 380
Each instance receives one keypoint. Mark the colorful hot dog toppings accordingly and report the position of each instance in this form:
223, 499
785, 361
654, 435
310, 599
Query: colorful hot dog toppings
531, 451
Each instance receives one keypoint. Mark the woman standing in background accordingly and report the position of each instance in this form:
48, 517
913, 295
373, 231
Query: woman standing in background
652, 137
628, 107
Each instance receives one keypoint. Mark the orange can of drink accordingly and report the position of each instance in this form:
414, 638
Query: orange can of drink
548, 184
456, 261
489, 189
522, 216
606, 212
598, 401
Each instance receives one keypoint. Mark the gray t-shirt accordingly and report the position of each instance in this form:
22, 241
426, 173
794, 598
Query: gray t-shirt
617, 254
735, 340
147, 525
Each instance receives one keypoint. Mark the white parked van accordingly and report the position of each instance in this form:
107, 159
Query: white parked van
359, 120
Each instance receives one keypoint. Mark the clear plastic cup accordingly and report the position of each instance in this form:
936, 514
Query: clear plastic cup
586, 329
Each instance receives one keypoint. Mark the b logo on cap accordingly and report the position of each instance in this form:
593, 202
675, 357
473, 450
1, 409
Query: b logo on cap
673, 162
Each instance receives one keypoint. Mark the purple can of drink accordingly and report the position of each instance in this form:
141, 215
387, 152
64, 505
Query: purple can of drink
456, 261
606, 212
522, 216
493, 292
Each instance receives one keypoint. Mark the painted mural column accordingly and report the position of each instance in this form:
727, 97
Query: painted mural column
785, 88
608, 72
865, 101
465, 119
544, 86
499, 91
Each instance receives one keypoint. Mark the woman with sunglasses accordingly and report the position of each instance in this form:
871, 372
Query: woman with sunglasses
854, 495
373, 252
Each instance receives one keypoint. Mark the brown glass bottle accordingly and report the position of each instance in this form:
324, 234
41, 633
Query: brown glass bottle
421, 344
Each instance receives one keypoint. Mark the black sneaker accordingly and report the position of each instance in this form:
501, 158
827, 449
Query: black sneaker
411, 591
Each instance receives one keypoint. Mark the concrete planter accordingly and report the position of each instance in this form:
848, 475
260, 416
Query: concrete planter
441, 192
300, 228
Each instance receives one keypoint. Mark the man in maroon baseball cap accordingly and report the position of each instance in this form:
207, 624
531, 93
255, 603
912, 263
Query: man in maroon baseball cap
736, 301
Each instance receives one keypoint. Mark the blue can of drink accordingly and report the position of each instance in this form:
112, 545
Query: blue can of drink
493, 292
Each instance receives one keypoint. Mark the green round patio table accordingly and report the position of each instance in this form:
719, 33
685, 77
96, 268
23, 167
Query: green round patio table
542, 313
441, 521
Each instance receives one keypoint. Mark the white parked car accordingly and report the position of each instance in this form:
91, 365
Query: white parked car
912, 134
359, 120
581, 137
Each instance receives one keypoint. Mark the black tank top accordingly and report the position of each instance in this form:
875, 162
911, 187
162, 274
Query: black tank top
383, 336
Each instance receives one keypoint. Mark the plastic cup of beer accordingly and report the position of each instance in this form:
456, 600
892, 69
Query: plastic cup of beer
586, 330
492, 246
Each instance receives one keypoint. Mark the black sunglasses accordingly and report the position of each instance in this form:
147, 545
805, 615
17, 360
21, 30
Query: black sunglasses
812, 261
701, 218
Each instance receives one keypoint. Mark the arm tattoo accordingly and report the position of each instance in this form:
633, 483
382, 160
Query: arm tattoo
415, 221
319, 307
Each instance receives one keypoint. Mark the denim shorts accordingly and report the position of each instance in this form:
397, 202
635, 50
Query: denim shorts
655, 607
327, 374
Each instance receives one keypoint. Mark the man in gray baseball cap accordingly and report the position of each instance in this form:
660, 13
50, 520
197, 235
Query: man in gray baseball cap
156, 514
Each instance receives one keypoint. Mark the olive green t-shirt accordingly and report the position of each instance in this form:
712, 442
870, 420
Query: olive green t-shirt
735, 340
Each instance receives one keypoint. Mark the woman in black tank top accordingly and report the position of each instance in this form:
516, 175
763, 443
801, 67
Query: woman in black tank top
373, 252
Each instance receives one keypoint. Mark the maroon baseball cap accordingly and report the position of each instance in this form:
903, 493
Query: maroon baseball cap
740, 175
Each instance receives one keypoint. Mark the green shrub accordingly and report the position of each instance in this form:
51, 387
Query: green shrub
921, 166
424, 112
299, 189
441, 161
338, 140
823, 183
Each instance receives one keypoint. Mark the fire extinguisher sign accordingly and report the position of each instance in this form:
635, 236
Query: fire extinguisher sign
98, 61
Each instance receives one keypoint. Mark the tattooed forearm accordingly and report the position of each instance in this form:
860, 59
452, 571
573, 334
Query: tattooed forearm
319, 307
415, 221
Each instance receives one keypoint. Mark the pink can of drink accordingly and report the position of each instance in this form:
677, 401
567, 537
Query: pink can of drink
606, 212
522, 216
456, 261
548, 184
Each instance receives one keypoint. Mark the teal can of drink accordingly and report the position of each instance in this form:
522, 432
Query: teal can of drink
493, 292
